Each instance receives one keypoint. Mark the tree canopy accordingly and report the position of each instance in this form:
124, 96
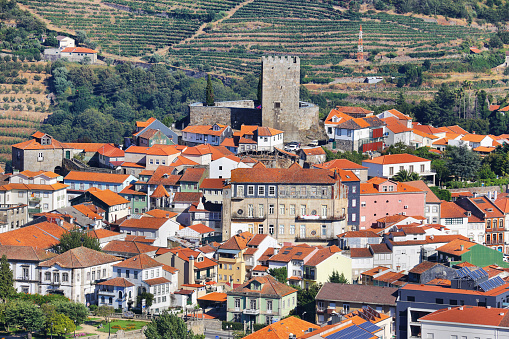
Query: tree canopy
6, 280
462, 162
280, 274
168, 326
76, 238
335, 277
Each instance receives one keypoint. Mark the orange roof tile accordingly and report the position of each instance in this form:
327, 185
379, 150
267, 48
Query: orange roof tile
80, 257
144, 222
340, 164
369, 187
456, 247
314, 151
43, 235
78, 50
399, 115
96, 177
141, 261
473, 137
157, 281
102, 233
205, 129
108, 197
160, 192
269, 286
214, 296
131, 247
396, 159
470, 315
118, 282
484, 149
161, 213
212, 183
201, 228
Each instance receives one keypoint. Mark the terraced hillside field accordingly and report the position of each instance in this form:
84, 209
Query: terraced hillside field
231, 35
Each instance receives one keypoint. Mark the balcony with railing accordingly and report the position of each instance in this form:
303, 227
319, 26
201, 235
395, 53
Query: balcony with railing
34, 210
314, 218
244, 216
251, 311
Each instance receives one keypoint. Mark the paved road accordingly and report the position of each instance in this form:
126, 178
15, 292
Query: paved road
210, 334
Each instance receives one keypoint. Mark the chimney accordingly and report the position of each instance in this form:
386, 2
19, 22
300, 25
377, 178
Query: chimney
461, 308
495, 195
488, 307
191, 270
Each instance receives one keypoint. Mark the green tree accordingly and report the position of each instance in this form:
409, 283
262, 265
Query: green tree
306, 303
76, 238
24, 314
486, 173
280, 274
77, 312
335, 277
149, 298
168, 326
405, 175
496, 42
6, 280
59, 324
462, 162
209, 92
440, 167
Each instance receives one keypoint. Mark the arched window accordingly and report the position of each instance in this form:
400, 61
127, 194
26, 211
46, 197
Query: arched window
111, 300
102, 300
120, 294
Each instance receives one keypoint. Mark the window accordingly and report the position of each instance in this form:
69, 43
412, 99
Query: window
93, 275
324, 211
281, 229
324, 230
261, 190
302, 231
488, 223
495, 223
250, 190
277, 104
354, 189
302, 210
363, 204
127, 273
260, 229
56, 277
303, 190
260, 210
501, 223
47, 276
439, 301
271, 209
272, 190
240, 191
250, 228
354, 202
220, 168
391, 170
271, 229
88, 276
422, 168
410, 298
346, 308
269, 306
282, 209
292, 209
292, 229
354, 217
250, 210
237, 304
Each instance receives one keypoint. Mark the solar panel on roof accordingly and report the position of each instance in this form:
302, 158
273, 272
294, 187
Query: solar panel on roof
484, 286
482, 272
352, 332
498, 281
463, 272
369, 327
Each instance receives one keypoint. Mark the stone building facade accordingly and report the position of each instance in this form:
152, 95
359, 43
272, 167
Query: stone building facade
280, 109
290, 204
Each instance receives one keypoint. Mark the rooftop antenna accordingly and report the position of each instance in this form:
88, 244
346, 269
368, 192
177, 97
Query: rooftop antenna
360, 48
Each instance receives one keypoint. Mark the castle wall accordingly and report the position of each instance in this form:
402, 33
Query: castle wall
232, 113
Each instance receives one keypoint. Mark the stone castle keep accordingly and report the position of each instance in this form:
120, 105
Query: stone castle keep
281, 108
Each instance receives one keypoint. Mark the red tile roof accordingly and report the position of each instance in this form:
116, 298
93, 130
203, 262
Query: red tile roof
213, 183
130, 247
141, 261
157, 281
201, 228
80, 257
257, 239
360, 253
78, 50
322, 255
193, 174
399, 115
340, 164
43, 235
118, 282
289, 253
237, 242
441, 289
130, 189
470, 315
102, 233
269, 287
370, 187
32, 144
25, 253
97, 177
396, 159
108, 197
144, 223
204, 129
456, 247
160, 192
314, 151
214, 296
294, 174
358, 234
161, 213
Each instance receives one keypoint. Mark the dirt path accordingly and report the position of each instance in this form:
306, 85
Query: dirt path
201, 29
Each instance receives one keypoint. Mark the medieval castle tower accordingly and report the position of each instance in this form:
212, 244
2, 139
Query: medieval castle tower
281, 108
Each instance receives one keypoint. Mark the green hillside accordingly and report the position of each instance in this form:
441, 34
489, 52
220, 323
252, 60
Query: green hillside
229, 36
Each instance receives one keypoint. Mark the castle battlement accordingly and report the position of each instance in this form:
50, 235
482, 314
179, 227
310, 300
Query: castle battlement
279, 60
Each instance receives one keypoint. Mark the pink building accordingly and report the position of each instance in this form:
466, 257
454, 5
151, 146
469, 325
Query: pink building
380, 197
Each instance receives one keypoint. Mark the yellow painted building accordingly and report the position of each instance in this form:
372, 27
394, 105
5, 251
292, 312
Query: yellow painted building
231, 259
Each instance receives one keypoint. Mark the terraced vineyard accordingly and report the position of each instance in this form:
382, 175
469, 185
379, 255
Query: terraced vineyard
320, 33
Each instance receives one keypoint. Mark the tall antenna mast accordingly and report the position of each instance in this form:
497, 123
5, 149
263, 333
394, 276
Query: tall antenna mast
360, 48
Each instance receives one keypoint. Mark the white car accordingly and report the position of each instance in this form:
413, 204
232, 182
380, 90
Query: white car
292, 146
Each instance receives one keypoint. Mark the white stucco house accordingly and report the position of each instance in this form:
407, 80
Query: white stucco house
75, 273
221, 168
388, 166
159, 229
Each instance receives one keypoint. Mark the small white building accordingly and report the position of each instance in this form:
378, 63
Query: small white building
221, 168
75, 273
137, 275
159, 229
268, 138
196, 233
24, 262
65, 41
388, 166
77, 54
41, 191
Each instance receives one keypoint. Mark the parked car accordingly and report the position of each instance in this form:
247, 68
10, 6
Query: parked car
292, 146
313, 143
